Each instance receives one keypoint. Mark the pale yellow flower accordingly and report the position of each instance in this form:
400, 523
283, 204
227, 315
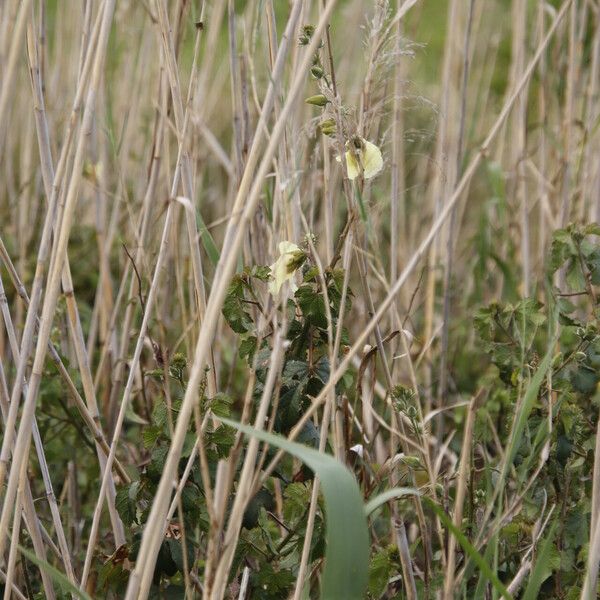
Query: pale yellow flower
290, 260
365, 154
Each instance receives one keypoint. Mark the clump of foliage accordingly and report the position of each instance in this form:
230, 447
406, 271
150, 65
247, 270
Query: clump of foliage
268, 546
553, 458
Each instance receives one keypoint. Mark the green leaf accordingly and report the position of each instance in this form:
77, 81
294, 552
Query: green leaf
309, 435
150, 435
469, 549
56, 575
376, 501
159, 414
296, 499
294, 370
593, 264
176, 550
561, 250
526, 407
379, 573
133, 417
156, 465
188, 444
207, 240
234, 307
480, 590
312, 306
311, 274
262, 499
496, 179
223, 438
261, 272
125, 503
271, 584
591, 229
220, 405
346, 570
248, 348
574, 277
584, 379
540, 571
164, 562
174, 592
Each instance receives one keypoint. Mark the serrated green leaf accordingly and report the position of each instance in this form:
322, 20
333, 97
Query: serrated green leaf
261, 272
220, 405
297, 498
159, 414
157, 463
584, 379
379, 573
125, 503
248, 348
223, 438
234, 308
312, 306
561, 250
271, 584
592, 262
150, 435
574, 276
311, 274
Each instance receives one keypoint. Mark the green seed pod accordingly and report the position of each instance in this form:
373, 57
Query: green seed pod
318, 100
328, 127
316, 71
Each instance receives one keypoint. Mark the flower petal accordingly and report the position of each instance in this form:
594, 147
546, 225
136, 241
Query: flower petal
372, 160
352, 166
284, 268
287, 248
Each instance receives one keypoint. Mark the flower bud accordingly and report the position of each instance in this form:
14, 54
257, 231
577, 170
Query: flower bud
318, 100
328, 127
316, 71
307, 33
